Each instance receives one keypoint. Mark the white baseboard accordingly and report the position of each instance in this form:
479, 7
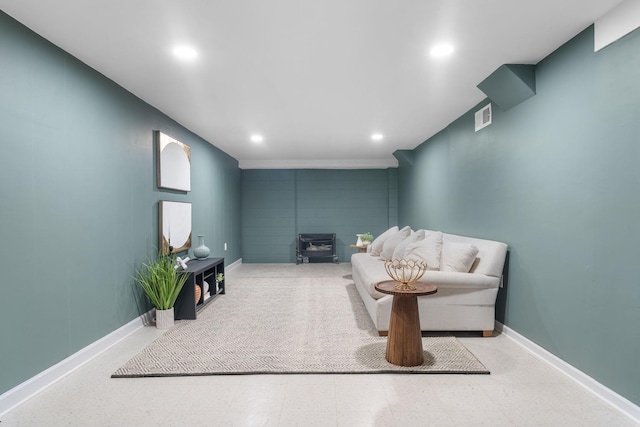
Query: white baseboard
605, 394
14, 397
33, 386
233, 265
20, 393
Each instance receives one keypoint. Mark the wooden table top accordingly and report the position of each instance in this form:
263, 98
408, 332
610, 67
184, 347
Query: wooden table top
422, 288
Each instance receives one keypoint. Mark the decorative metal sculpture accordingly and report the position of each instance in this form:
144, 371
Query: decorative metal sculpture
405, 272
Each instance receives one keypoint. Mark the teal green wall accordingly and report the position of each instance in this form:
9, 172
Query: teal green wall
78, 202
557, 177
279, 204
268, 215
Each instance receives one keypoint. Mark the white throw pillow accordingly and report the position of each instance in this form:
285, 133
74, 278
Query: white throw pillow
458, 257
427, 249
416, 236
390, 244
376, 245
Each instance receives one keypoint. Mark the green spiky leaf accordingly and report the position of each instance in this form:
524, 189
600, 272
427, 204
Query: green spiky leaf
161, 282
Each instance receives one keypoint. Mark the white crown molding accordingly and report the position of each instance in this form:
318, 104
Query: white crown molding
319, 164
608, 396
617, 23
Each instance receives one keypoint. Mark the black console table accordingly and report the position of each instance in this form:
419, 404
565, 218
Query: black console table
199, 270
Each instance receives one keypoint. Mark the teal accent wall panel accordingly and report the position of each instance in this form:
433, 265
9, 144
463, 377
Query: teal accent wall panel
268, 215
556, 177
79, 203
344, 202
277, 205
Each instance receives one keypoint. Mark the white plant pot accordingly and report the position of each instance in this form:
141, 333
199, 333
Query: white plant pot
164, 318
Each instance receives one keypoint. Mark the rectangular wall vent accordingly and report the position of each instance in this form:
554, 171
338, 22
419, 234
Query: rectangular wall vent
483, 117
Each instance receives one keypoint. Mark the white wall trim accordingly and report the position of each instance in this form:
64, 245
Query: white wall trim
20, 393
233, 265
615, 24
320, 164
605, 394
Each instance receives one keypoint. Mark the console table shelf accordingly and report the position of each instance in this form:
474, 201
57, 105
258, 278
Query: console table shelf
200, 271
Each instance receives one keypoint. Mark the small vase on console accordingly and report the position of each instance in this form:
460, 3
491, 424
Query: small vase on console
201, 251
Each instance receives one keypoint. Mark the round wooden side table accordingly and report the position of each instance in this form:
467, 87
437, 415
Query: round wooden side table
361, 249
404, 343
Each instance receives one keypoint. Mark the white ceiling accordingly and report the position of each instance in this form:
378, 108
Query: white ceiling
315, 78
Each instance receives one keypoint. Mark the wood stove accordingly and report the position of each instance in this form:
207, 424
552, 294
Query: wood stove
316, 247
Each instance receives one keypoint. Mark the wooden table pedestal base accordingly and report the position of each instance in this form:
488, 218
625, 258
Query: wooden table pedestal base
404, 343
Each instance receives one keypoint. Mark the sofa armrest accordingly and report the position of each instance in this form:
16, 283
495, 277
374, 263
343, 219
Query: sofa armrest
451, 279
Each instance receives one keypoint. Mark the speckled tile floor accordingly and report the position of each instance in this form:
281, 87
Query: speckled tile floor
521, 391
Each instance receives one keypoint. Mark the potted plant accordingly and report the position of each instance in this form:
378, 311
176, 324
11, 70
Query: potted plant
219, 278
366, 238
161, 282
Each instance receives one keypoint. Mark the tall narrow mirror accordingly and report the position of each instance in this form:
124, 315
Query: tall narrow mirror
174, 163
175, 226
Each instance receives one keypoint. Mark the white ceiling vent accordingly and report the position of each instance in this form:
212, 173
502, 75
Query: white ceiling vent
483, 117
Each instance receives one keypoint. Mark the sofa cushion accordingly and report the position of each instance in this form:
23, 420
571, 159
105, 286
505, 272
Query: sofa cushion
368, 271
415, 236
376, 246
428, 249
390, 244
491, 254
458, 256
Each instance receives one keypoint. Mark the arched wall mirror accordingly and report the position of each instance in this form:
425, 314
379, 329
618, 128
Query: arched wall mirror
174, 163
175, 226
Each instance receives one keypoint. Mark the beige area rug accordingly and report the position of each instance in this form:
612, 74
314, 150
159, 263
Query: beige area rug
313, 323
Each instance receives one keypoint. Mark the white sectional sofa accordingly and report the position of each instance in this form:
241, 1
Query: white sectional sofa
467, 271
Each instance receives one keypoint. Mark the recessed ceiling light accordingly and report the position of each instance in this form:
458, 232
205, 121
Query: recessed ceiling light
377, 137
441, 50
257, 138
185, 52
